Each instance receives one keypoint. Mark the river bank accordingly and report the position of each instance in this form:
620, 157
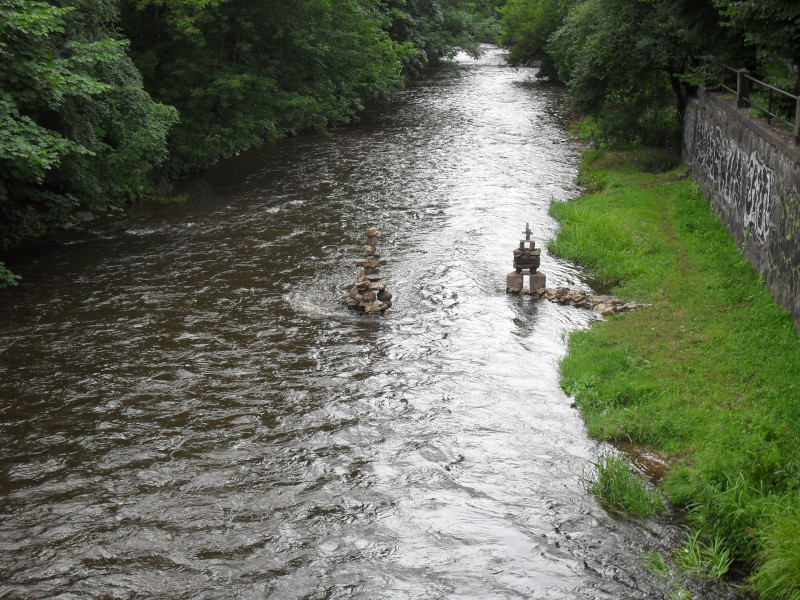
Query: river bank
709, 376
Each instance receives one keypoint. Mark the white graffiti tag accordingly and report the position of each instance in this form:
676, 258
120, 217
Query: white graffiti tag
744, 183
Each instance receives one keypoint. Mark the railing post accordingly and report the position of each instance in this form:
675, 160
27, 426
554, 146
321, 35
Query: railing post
796, 136
769, 106
742, 88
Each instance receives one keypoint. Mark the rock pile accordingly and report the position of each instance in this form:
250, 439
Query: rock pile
604, 305
526, 260
369, 295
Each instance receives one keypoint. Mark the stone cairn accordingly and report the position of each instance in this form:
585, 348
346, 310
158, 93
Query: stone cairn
369, 295
526, 261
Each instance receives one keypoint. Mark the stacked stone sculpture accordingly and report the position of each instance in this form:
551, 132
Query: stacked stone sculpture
369, 295
526, 260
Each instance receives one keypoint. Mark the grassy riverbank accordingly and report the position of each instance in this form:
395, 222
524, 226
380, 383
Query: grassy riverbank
709, 375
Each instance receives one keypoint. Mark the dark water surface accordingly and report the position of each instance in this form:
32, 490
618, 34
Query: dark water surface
188, 412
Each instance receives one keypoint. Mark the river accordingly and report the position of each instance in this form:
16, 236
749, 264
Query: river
188, 411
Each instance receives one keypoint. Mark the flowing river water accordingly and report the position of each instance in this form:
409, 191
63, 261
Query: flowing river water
188, 411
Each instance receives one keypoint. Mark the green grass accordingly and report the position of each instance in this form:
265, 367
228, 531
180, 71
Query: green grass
712, 559
669, 580
779, 550
618, 487
709, 375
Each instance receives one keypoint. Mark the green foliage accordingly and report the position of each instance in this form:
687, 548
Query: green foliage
32, 82
778, 577
244, 72
710, 374
655, 563
76, 128
526, 28
622, 60
628, 63
597, 228
7, 278
617, 486
712, 560
771, 26
436, 29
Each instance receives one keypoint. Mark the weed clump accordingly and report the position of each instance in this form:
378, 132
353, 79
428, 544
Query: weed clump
617, 486
712, 559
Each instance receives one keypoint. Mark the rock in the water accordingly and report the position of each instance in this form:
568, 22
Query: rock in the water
84, 216
384, 295
513, 283
378, 286
538, 280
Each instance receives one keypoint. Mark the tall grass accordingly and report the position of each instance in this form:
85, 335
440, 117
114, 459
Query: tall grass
618, 487
712, 559
779, 551
710, 375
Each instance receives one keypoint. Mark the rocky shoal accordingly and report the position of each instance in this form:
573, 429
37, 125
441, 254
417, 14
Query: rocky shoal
603, 305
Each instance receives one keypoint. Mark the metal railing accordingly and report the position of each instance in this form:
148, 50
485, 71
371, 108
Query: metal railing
743, 100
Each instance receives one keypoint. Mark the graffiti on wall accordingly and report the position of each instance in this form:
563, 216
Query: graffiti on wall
753, 178
744, 185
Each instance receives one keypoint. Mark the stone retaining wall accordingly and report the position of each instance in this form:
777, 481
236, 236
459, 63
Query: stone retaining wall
750, 173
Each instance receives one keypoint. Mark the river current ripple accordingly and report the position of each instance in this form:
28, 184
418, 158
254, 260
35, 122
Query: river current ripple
189, 412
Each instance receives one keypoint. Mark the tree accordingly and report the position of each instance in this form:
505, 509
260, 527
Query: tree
526, 27
627, 62
241, 72
437, 29
772, 26
76, 128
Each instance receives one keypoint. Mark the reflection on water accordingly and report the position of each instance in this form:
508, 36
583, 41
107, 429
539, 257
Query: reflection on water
189, 412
